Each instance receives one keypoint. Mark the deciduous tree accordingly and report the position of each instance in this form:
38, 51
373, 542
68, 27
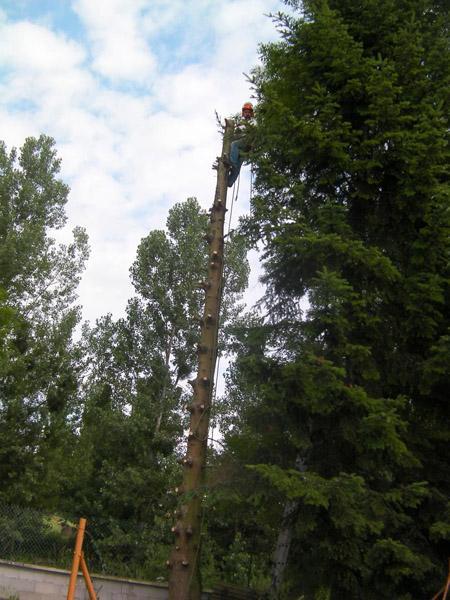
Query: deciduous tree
139, 365
38, 379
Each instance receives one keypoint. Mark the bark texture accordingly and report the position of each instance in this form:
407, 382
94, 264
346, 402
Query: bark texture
284, 539
184, 577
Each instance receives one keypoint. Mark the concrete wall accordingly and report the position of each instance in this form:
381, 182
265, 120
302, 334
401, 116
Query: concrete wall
29, 582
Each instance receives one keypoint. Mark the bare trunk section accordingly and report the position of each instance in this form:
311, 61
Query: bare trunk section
164, 390
184, 578
283, 545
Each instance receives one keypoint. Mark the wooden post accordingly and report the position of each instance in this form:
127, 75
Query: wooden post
87, 578
76, 559
184, 562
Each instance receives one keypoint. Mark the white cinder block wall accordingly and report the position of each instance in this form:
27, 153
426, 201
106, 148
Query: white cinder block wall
29, 582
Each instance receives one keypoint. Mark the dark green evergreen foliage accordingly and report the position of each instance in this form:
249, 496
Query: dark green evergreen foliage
39, 364
349, 369
238, 521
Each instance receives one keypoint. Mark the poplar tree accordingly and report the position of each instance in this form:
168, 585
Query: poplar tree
135, 390
347, 373
39, 363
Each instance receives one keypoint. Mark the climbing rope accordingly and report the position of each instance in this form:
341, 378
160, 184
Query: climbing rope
234, 197
214, 376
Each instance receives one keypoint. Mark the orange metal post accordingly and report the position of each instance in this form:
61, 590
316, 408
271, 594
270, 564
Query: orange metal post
87, 579
76, 559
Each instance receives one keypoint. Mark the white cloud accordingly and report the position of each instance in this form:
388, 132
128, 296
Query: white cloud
34, 48
128, 157
239, 32
119, 47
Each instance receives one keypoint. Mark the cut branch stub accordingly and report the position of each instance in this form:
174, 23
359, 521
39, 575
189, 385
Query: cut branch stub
184, 580
204, 285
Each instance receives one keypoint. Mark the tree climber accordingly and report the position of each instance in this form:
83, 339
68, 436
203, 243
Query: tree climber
241, 144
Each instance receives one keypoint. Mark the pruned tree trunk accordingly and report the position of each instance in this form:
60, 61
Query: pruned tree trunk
184, 562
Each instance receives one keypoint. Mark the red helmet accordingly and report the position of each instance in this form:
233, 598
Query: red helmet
247, 107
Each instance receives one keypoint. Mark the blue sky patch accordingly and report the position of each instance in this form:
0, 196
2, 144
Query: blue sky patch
56, 14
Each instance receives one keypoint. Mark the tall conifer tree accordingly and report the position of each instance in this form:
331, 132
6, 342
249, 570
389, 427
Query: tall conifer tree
350, 376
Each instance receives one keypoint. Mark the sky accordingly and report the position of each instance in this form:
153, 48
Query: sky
128, 89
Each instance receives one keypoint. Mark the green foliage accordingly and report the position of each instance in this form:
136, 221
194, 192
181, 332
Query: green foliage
348, 369
39, 364
236, 543
93, 428
135, 387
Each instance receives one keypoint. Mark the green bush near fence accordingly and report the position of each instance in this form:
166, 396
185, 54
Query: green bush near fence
126, 549
120, 548
30, 536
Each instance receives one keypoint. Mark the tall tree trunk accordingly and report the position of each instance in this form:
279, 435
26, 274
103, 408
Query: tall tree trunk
283, 545
184, 578
167, 377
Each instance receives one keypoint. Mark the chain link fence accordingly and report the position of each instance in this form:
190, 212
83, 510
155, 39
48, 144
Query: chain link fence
118, 548
121, 548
